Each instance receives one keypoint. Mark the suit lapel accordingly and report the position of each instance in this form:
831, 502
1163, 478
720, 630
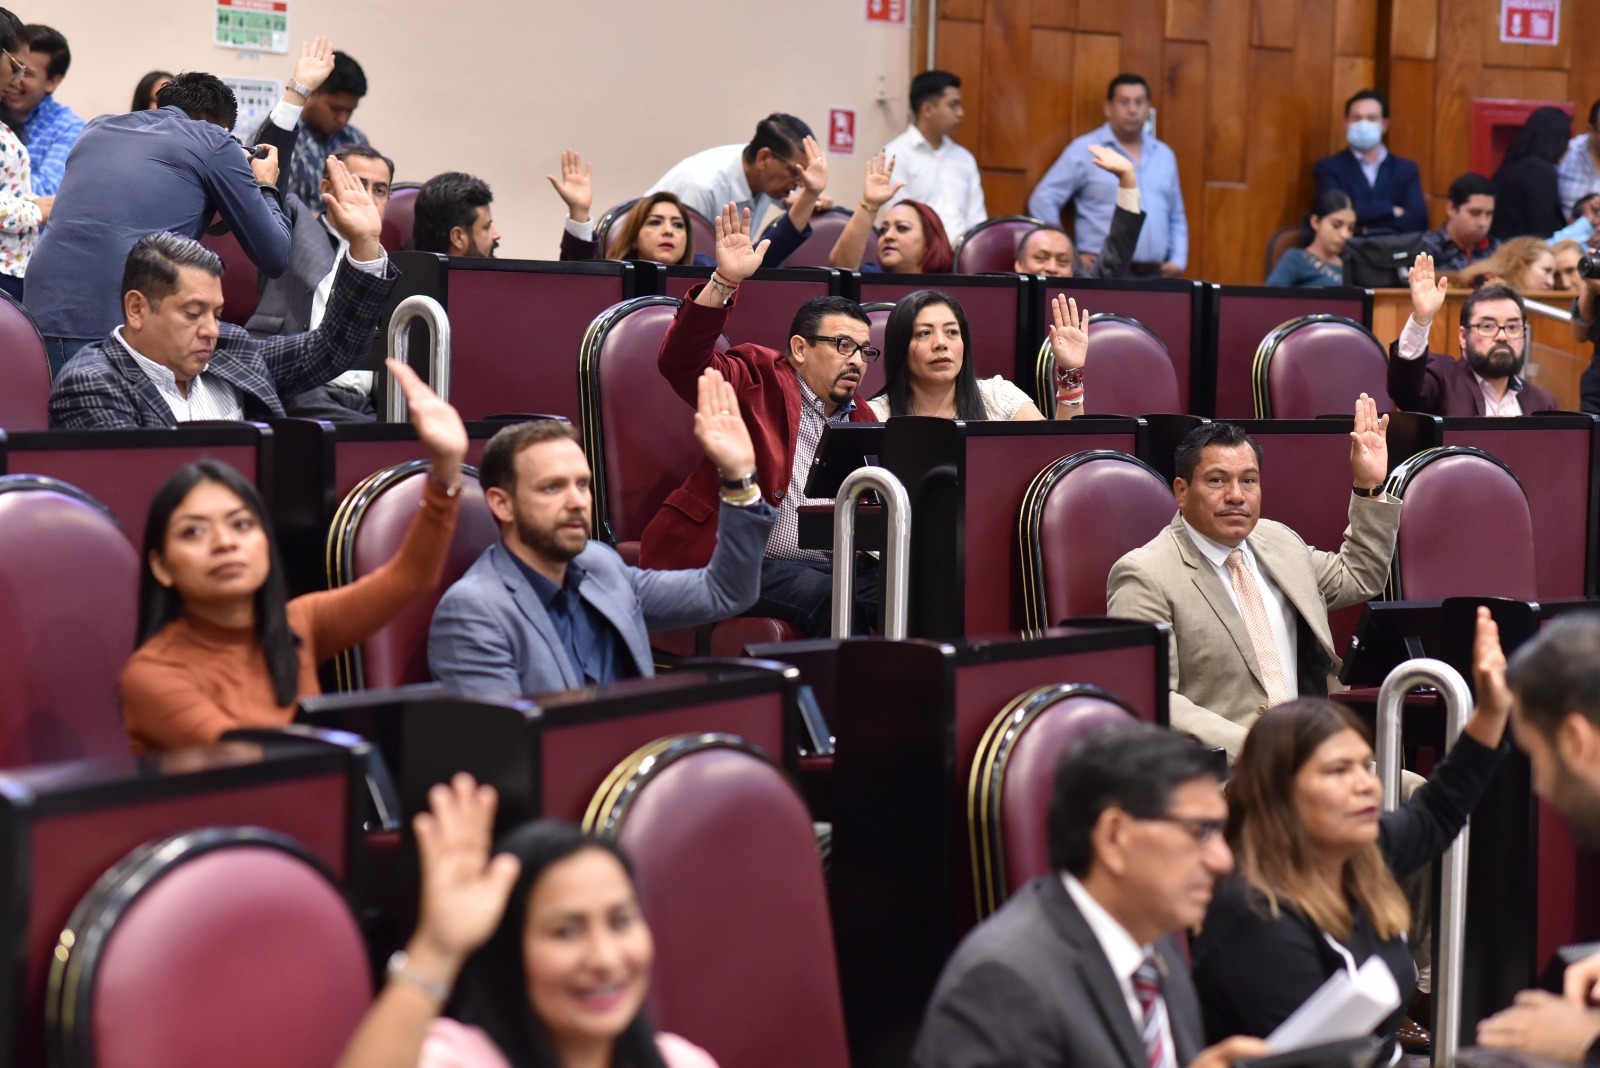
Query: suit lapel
1210, 586
598, 593
1094, 972
120, 358
533, 611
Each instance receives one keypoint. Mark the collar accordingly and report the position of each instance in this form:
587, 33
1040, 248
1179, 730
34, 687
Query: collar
1108, 137
1481, 246
543, 587
917, 137
816, 404
1516, 380
1123, 953
1214, 551
146, 364
1383, 154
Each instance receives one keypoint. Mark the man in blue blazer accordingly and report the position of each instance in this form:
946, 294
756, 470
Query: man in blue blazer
547, 608
1385, 189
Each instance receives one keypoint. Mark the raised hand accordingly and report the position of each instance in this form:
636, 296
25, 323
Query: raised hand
1069, 334
880, 186
576, 185
1369, 445
352, 213
1427, 291
720, 427
736, 259
463, 892
1109, 159
438, 425
315, 63
814, 175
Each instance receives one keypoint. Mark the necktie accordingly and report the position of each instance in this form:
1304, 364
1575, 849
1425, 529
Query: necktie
1147, 989
1254, 611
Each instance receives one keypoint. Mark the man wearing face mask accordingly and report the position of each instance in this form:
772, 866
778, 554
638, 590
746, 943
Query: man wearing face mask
1487, 380
1385, 189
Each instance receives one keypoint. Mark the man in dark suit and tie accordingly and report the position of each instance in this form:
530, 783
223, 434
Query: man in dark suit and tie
1385, 189
1080, 968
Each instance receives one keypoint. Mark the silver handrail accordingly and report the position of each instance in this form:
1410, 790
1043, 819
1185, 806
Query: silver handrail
431, 312
1450, 930
1549, 311
896, 550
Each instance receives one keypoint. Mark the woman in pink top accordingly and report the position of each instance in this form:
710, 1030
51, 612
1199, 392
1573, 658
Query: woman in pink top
539, 956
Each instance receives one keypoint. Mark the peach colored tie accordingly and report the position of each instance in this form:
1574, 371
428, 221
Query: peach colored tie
1254, 611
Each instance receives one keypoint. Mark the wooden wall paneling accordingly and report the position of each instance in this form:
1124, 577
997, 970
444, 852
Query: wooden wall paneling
961, 11
1414, 29
1050, 67
1522, 83
1276, 172
1142, 42
1315, 109
1185, 76
1189, 20
959, 49
1272, 24
1097, 58
1004, 193
1355, 28
1411, 126
1098, 16
1225, 210
1055, 14
1006, 85
1458, 70
1228, 102
1485, 15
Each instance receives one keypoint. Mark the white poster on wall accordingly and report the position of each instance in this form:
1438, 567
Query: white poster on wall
256, 97
253, 25
1530, 21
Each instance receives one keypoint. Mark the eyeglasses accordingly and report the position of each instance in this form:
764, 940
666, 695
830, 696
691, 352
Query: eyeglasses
1202, 831
18, 68
1488, 328
846, 346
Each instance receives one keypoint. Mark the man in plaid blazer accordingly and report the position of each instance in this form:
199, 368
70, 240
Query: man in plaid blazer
173, 360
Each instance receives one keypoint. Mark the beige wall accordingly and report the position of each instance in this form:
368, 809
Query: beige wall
507, 84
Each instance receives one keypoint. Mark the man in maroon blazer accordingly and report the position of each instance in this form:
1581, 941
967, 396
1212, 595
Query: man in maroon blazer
787, 398
1487, 380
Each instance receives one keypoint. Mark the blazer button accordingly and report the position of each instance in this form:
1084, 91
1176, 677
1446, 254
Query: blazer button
776, 497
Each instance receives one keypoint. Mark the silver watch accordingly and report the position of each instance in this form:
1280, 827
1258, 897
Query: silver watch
298, 87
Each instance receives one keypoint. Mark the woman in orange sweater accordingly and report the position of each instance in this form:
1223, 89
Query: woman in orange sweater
221, 648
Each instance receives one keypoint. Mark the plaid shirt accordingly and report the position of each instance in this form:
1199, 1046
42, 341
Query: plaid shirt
52, 130
1576, 174
311, 152
1449, 256
784, 544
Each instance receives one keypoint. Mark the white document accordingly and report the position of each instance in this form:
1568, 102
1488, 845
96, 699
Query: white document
1346, 1006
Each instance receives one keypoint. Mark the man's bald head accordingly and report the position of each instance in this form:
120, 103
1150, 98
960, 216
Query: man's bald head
1045, 250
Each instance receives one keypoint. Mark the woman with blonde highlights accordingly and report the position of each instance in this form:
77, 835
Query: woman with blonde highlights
1526, 264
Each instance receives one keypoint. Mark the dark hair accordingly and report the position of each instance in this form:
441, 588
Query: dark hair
144, 94
1040, 229
897, 347
1467, 186
1131, 766
1126, 79
492, 991
809, 318
1497, 291
37, 38
200, 96
1368, 94
497, 467
153, 262
625, 245
779, 134
1557, 673
11, 41
1329, 201
930, 85
343, 155
445, 202
1544, 136
1187, 456
346, 77
159, 605
1579, 204
937, 255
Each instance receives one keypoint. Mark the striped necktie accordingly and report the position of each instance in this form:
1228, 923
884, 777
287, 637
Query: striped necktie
1147, 989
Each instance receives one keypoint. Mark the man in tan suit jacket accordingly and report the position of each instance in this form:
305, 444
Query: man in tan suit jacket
1180, 578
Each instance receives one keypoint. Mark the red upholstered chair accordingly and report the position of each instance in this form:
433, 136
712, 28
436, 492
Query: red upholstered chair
223, 946
1129, 371
1013, 775
69, 584
871, 382
1078, 518
731, 882
991, 246
400, 216
1466, 530
25, 400
367, 531
241, 282
700, 227
825, 229
1318, 365
1280, 243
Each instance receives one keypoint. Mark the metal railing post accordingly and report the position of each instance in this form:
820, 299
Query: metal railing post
1450, 928
896, 550
431, 312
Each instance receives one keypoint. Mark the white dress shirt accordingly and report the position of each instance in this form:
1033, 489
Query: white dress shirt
1280, 613
1122, 953
208, 397
1414, 346
707, 180
944, 178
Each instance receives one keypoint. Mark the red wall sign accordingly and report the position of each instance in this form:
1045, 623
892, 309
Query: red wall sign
1530, 21
842, 131
886, 11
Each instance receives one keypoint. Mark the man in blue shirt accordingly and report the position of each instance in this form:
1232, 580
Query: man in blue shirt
1385, 189
51, 127
1163, 246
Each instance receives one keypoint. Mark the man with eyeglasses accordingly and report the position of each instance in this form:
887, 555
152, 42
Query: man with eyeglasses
1487, 380
788, 398
1080, 966
752, 176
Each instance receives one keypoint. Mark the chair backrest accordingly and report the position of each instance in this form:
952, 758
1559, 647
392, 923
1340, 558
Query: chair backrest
1079, 517
878, 316
367, 531
25, 402
400, 217
222, 946
241, 280
1466, 530
69, 582
826, 226
1318, 365
700, 227
991, 246
1130, 371
731, 881
1013, 775
1281, 241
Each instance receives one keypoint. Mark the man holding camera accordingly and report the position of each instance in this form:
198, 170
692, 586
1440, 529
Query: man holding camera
1487, 380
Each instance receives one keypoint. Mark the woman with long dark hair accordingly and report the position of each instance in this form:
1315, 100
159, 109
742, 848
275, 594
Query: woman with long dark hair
1316, 887
144, 94
1321, 261
1527, 189
538, 958
927, 372
912, 240
221, 645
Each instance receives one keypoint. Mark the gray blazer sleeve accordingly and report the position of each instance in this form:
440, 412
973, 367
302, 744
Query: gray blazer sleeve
726, 586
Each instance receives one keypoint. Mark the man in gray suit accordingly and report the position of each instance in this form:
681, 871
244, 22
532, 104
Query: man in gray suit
547, 608
1247, 599
1079, 968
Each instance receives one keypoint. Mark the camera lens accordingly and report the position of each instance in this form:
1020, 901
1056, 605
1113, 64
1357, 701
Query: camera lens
1589, 265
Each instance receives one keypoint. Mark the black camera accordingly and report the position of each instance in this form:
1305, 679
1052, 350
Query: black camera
1589, 265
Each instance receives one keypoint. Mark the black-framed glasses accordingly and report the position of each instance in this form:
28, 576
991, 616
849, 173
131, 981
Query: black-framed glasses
1488, 328
1202, 831
846, 346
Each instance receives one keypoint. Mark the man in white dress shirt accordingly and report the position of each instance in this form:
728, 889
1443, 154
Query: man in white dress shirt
752, 176
935, 169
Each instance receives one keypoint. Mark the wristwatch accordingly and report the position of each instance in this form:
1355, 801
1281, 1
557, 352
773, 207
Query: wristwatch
737, 485
298, 87
399, 968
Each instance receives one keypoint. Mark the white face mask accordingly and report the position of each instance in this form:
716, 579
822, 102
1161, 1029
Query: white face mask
1364, 134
